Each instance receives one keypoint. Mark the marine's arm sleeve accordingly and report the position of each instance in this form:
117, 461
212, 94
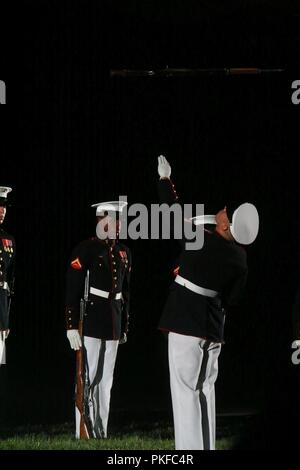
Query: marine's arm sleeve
76, 274
126, 294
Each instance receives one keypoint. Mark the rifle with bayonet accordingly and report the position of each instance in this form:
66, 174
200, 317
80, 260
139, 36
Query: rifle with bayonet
82, 374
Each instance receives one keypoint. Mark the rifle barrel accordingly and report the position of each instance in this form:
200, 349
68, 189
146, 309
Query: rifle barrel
184, 72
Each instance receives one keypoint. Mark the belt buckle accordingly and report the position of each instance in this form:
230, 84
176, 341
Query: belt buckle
112, 296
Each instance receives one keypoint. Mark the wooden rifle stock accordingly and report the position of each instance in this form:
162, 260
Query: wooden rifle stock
84, 432
82, 382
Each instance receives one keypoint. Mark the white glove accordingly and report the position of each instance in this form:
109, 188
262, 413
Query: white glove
123, 339
74, 338
164, 168
4, 334
296, 343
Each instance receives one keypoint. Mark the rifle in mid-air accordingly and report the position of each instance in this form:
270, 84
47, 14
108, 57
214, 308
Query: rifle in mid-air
82, 375
168, 72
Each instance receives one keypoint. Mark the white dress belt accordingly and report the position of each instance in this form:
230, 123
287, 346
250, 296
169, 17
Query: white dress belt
194, 288
105, 294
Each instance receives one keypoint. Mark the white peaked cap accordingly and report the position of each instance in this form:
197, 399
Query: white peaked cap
4, 190
245, 224
110, 206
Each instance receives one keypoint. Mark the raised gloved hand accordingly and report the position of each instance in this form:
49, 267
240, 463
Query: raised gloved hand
123, 339
297, 343
74, 338
164, 168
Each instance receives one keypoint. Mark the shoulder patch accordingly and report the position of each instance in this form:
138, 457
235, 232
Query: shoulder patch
75, 264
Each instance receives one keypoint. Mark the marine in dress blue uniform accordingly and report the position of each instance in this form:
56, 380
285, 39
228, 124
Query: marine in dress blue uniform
108, 263
208, 281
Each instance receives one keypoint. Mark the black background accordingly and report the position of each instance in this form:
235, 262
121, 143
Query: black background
71, 136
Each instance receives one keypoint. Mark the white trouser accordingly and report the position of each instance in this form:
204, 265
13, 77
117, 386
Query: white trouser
2, 351
101, 357
193, 364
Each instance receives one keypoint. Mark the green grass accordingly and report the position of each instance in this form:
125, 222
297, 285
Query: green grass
60, 438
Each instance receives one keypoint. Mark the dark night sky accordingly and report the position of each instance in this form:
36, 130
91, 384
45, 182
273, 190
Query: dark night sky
72, 136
